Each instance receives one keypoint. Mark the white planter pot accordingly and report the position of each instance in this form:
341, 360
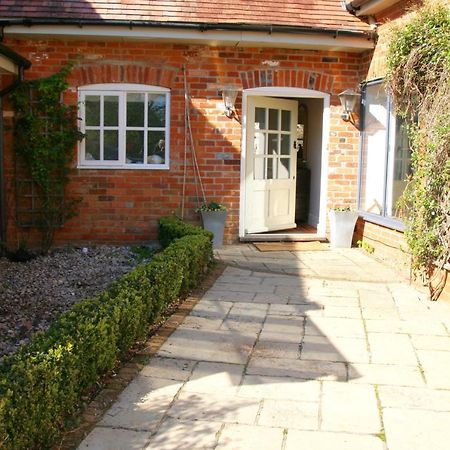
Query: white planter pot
342, 225
214, 221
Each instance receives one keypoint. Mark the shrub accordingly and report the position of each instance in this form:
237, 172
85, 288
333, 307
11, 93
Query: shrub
42, 383
171, 228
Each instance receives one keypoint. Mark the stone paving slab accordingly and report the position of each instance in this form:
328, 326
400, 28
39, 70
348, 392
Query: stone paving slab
330, 350
318, 440
416, 429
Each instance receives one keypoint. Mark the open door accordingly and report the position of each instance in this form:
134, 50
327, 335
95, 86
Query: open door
271, 164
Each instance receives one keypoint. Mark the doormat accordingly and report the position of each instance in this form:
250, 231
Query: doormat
291, 246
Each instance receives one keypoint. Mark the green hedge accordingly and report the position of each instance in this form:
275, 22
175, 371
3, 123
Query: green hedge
171, 228
42, 383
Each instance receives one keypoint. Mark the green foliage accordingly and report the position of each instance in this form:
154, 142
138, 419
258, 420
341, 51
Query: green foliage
212, 206
365, 246
43, 383
419, 79
170, 228
45, 133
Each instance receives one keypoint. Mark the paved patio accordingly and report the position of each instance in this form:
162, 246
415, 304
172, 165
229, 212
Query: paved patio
313, 350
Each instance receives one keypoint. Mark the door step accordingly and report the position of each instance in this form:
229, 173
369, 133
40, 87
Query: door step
280, 237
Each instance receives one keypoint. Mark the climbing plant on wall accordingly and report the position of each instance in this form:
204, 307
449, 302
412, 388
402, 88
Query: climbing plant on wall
45, 133
419, 81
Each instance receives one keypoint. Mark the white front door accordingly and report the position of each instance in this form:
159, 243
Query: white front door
271, 164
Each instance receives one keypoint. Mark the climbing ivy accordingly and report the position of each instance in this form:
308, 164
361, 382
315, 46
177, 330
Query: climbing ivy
419, 80
45, 132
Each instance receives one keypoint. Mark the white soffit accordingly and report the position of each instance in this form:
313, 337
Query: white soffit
313, 41
375, 7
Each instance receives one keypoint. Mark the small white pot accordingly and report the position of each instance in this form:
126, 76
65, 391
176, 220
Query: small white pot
342, 226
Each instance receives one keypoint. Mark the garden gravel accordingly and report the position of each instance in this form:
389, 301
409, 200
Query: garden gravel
35, 293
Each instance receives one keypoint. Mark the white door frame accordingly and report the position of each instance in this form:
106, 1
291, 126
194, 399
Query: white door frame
297, 93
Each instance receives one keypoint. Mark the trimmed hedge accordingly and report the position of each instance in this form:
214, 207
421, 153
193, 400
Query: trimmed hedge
42, 383
171, 228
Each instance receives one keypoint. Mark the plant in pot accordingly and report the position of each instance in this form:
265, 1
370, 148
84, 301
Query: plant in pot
213, 217
342, 225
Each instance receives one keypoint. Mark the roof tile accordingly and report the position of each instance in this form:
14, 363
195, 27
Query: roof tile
326, 14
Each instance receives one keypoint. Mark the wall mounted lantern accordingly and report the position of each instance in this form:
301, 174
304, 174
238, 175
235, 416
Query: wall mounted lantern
349, 101
229, 94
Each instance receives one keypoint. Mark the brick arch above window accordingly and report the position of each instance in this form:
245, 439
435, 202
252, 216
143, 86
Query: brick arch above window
299, 78
138, 73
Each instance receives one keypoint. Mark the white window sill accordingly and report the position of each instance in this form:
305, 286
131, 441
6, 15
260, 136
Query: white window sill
124, 167
388, 222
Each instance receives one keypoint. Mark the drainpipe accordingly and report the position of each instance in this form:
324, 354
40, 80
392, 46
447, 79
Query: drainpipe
3, 93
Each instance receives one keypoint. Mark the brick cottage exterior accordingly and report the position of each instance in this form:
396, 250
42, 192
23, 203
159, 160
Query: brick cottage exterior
294, 50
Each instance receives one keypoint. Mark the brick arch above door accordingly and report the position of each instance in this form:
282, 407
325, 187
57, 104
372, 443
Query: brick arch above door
299, 78
111, 72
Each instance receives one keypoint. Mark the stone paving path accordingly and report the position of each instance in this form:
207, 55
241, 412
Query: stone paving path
313, 351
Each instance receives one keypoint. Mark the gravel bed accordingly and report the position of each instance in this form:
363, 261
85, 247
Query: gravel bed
35, 293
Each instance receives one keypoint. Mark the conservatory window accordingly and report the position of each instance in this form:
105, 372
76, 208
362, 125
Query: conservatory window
385, 155
124, 126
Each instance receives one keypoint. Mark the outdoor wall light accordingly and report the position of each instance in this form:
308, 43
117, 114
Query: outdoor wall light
229, 94
348, 101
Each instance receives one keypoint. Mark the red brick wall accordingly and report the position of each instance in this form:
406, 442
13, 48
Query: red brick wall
124, 205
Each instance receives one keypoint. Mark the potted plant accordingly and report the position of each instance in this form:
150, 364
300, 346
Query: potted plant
342, 225
213, 217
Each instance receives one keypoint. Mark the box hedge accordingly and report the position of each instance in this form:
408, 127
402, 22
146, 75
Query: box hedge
171, 228
42, 383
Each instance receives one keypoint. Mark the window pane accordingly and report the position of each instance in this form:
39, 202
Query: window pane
92, 106
283, 168
111, 110
260, 118
110, 145
273, 144
285, 144
156, 147
273, 119
135, 110
92, 145
156, 110
373, 170
286, 120
259, 144
135, 147
401, 159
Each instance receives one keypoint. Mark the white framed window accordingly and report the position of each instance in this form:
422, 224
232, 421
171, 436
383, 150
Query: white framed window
385, 160
125, 126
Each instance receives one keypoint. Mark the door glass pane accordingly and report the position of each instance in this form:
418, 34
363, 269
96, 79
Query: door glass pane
286, 120
135, 147
111, 111
272, 148
260, 118
283, 168
92, 106
156, 147
92, 145
374, 156
285, 144
156, 110
273, 119
111, 145
270, 168
259, 172
259, 144
135, 110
